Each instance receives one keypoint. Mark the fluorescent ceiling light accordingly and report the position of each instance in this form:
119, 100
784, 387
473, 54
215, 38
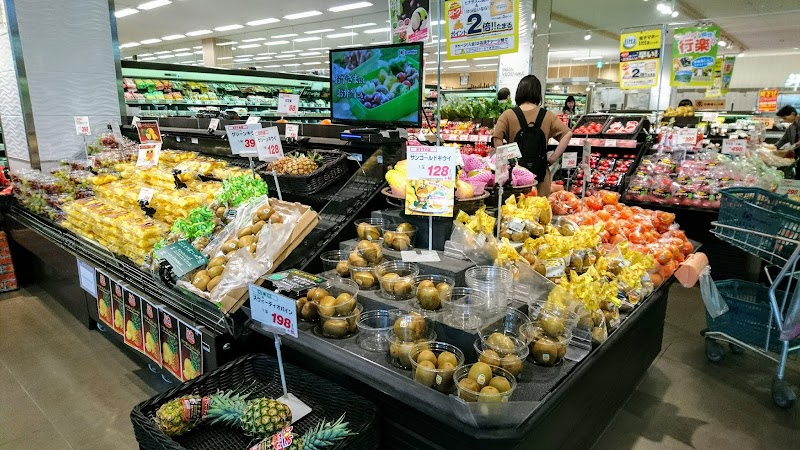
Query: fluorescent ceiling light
458, 67
276, 43
184, 54
291, 65
244, 56
153, 4
130, 44
256, 23
302, 15
486, 65
322, 30
173, 37
262, 58
722, 43
238, 60
146, 54
166, 56
307, 39
229, 27
313, 63
381, 42
150, 41
249, 46
125, 12
254, 39
443, 53
310, 53
350, 6
162, 52
487, 57
272, 66
198, 47
341, 35
198, 52
587, 58
284, 56
320, 48
225, 57
348, 46
292, 51
181, 49
455, 60
377, 30
148, 59
227, 43
199, 32
360, 25
287, 35
267, 53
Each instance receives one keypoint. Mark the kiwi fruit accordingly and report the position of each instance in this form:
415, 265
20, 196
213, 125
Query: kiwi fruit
611, 319
519, 236
264, 213
401, 242
468, 389
300, 302
427, 355
428, 298
220, 212
444, 291
425, 373
545, 352
356, 260
599, 335
368, 231
218, 261
388, 237
246, 241
539, 266
252, 248
316, 294
585, 322
201, 279
276, 218
402, 351
345, 304
402, 289
258, 226
335, 328
490, 394
342, 270
387, 281
501, 343
446, 357
364, 280
248, 230
444, 379
352, 321
327, 306
500, 383
424, 284
552, 326
229, 246
480, 372
215, 271
512, 363
309, 311
563, 343
490, 357
213, 283
372, 254
363, 245
405, 228
409, 327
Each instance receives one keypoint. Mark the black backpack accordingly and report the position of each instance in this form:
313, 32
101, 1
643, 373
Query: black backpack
532, 144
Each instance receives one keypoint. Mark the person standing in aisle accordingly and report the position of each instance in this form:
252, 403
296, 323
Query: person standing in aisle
531, 126
686, 102
569, 106
788, 114
503, 94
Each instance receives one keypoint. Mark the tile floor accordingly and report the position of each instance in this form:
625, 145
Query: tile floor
66, 387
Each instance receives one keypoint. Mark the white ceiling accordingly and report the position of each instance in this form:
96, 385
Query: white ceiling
760, 26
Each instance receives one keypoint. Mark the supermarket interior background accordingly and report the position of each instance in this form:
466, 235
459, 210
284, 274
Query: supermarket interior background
204, 205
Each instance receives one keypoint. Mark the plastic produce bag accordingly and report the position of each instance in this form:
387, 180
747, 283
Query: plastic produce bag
715, 304
791, 325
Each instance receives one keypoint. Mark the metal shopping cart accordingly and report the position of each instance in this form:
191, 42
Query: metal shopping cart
766, 225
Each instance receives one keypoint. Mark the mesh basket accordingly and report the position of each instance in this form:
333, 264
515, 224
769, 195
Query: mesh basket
333, 167
748, 314
756, 210
259, 373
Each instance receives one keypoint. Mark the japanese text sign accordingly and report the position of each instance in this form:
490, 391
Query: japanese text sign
149, 132
734, 146
241, 138
478, 28
273, 310
292, 130
639, 59
768, 100
268, 143
430, 185
82, 125
694, 54
288, 104
148, 155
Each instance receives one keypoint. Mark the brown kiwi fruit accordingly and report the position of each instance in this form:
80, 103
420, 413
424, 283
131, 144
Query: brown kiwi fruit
309, 311
409, 327
490, 357
258, 226
512, 363
490, 394
480, 372
500, 343
300, 302
427, 355
215, 271
248, 230
218, 261
405, 228
402, 289
425, 283
342, 270
356, 260
264, 213
335, 328
345, 304
401, 242
252, 248
316, 294
552, 326
388, 237
388, 280
545, 352
468, 389
246, 240
327, 306
220, 212
213, 283
425, 373
229, 246
276, 218
364, 280
500, 383
428, 298
201, 279
446, 357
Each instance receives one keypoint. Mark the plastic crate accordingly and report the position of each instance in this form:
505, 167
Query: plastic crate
748, 314
761, 211
258, 373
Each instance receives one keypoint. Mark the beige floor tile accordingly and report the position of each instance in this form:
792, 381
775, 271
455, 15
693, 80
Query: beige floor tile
44, 439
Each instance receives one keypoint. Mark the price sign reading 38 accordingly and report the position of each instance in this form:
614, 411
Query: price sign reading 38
432, 163
288, 103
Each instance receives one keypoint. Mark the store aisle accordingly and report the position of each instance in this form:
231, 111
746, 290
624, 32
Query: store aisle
63, 386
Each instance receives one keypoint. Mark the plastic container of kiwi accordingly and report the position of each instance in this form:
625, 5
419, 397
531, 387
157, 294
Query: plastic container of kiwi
340, 324
335, 261
399, 236
400, 351
471, 391
364, 277
431, 292
513, 362
396, 279
374, 330
502, 331
439, 374
370, 229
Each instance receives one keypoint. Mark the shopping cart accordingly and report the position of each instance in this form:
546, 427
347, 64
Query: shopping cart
766, 225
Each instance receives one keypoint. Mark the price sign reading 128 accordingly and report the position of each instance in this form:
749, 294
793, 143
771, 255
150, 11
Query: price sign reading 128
432, 163
268, 142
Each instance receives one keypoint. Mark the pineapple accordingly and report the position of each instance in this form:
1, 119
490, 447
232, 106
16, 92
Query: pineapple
257, 417
178, 416
298, 164
322, 435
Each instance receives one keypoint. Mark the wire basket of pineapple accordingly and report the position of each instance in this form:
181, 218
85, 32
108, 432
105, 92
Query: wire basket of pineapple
306, 172
239, 405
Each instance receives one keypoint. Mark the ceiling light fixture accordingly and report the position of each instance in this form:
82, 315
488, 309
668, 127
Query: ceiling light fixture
458, 67
125, 12
162, 52
130, 44
587, 58
587, 36
244, 56
313, 63
307, 39
181, 50
148, 59
276, 42
350, 6
281, 36
184, 54
722, 43
153, 4
272, 66
145, 54
360, 25
166, 56
150, 41
341, 35
284, 56
377, 30
262, 58
250, 46
225, 57
675, 14
291, 65
310, 54
173, 37
322, 30
198, 52
239, 60
256, 23
199, 32
485, 65
302, 15
229, 27
381, 42
267, 53
740, 54
455, 60
292, 51
254, 39
227, 43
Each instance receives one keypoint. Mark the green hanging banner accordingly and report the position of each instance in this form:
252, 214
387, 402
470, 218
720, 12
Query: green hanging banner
694, 54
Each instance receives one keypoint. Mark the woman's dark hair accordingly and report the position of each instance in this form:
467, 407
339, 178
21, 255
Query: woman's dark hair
786, 111
529, 89
686, 102
503, 94
569, 99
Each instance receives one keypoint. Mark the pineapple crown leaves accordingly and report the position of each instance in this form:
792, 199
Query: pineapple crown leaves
226, 407
326, 433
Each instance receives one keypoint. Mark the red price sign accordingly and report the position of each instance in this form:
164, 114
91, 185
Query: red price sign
249, 143
268, 142
82, 125
288, 103
273, 311
438, 172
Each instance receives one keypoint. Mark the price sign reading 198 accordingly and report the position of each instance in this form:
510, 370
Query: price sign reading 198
273, 311
281, 321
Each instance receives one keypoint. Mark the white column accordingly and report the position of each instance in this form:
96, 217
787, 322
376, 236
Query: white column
513, 66
11, 118
541, 39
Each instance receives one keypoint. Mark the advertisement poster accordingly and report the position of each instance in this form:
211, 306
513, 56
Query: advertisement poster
118, 306
768, 100
104, 299
430, 186
191, 351
149, 133
477, 28
410, 20
169, 343
694, 54
379, 85
639, 59
727, 72
134, 334
152, 337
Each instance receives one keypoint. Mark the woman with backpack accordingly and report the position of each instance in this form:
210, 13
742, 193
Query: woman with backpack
531, 127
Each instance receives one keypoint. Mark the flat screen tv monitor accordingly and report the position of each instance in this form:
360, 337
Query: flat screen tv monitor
379, 86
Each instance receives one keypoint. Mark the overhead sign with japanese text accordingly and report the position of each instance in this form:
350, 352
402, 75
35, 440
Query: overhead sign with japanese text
694, 54
478, 28
639, 59
768, 100
410, 20
430, 185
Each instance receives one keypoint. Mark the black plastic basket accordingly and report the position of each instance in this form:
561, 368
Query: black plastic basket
586, 119
333, 167
624, 119
259, 373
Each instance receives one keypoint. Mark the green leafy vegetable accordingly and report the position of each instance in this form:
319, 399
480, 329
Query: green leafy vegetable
199, 223
237, 190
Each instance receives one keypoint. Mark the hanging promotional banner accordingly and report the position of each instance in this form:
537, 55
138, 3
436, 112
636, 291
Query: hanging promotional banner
768, 100
410, 20
149, 133
694, 53
481, 28
727, 72
430, 185
723, 72
639, 59
513, 66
